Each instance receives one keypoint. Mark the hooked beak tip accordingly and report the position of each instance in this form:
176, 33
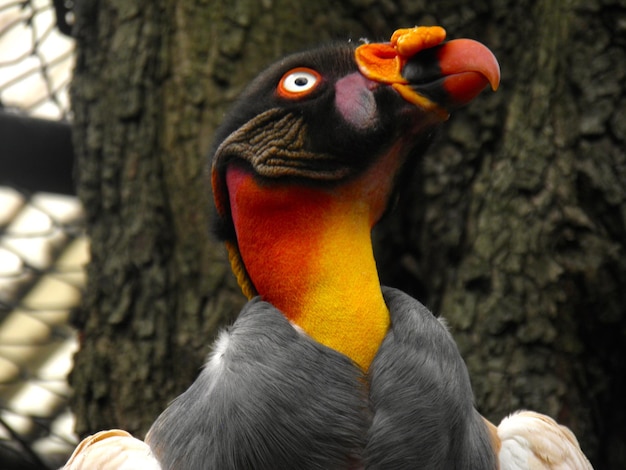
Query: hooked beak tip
466, 55
464, 66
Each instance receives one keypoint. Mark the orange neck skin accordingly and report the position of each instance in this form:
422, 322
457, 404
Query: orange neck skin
308, 252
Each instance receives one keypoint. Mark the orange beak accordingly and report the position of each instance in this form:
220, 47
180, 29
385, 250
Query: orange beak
427, 72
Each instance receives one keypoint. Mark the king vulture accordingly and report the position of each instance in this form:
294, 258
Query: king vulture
324, 368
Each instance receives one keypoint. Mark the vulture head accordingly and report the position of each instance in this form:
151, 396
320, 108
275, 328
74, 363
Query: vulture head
308, 160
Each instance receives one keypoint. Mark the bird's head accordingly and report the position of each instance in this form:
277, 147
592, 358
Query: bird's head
342, 120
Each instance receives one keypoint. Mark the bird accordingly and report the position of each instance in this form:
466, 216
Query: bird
324, 368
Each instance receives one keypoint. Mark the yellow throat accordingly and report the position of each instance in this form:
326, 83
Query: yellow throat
308, 252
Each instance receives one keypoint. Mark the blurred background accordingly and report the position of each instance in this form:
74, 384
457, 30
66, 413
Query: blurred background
42, 243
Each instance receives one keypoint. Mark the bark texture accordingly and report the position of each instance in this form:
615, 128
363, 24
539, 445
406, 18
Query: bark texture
514, 228
152, 80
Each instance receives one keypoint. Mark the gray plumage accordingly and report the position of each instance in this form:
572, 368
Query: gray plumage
270, 397
422, 397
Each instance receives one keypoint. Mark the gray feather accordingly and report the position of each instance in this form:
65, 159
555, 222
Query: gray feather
422, 398
269, 397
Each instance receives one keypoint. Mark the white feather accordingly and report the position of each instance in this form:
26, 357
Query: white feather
220, 347
532, 441
112, 450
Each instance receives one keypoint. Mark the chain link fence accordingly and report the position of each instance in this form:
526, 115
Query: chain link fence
35, 57
42, 245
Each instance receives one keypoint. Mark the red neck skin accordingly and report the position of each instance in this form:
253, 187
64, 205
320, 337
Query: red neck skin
308, 252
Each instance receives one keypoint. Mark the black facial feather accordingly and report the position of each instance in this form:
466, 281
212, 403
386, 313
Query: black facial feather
328, 133
260, 95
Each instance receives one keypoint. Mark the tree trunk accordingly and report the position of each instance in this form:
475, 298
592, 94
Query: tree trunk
514, 228
151, 83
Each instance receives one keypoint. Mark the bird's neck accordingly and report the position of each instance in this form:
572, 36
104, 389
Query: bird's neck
308, 252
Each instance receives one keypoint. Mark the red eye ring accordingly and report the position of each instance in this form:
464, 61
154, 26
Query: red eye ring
298, 83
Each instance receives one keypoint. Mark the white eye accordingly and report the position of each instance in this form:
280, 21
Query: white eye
298, 82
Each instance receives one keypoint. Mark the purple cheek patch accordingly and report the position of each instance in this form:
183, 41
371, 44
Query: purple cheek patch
355, 101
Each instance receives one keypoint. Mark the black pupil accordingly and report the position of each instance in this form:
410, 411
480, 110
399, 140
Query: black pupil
301, 81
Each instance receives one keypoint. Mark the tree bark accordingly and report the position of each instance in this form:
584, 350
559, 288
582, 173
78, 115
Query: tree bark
513, 227
151, 83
